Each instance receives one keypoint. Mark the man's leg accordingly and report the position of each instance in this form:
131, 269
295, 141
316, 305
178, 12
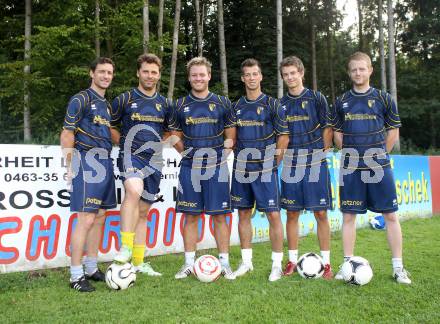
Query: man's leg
93, 241
140, 239
323, 232
129, 217
221, 234
79, 236
348, 238
190, 244
394, 236
292, 241
276, 239
245, 233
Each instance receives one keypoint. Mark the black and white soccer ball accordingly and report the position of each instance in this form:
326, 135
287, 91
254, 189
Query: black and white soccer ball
120, 276
357, 271
310, 266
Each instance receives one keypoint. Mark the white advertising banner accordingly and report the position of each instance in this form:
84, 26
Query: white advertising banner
36, 222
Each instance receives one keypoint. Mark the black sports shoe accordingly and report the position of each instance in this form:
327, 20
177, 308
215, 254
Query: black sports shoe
82, 285
98, 275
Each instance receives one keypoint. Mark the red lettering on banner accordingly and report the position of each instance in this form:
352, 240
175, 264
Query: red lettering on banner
152, 227
39, 233
9, 230
169, 226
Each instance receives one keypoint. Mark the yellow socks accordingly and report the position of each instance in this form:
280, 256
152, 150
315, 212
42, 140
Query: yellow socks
127, 239
138, 254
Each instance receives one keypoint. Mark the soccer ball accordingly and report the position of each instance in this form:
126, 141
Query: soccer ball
310, 266
378, 222
357, 271
120, 276
207, 268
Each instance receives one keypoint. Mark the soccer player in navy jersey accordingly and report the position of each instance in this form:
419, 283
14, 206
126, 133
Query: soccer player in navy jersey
205, 125
143, 116
261, 132
366, 124
308, 118
86, 143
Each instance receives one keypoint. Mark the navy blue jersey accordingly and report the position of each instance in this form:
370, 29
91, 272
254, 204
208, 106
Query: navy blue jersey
133, 108
258, 124
202, 122
88, 115
364, 118
307, 115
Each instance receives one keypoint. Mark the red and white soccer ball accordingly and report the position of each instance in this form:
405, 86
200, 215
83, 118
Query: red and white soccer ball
207, 268
357, 271
120, 276
310, 266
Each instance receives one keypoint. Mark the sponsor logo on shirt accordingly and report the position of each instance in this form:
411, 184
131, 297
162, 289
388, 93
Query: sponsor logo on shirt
186, 109
134, 105
93, 106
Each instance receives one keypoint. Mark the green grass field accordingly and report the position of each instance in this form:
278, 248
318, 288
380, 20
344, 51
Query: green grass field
45, 296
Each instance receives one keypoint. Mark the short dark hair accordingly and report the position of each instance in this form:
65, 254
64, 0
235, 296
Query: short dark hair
149, 58
101, 60
249, 62
292, 61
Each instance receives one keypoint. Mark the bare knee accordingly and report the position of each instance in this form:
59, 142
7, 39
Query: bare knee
86, 220
292, 216
321, 216
274, 218
391, 218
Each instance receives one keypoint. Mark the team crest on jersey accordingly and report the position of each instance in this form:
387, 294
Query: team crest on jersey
134, 105
371, 103
158, 107
212, 106
304, 104
260, 110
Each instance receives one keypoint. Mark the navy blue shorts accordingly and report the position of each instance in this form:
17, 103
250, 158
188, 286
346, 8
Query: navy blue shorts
310, 193
93, 184
210, 196
142, 168
357, 197
264, 194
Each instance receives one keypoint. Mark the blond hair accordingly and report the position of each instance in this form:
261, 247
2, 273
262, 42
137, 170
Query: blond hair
359, 56
200, 60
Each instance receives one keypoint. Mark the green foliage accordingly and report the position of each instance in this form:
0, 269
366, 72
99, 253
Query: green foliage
44, 296
63, 36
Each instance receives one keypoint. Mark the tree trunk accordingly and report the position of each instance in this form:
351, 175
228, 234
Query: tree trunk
27, 71
361, 34
392, 58
279, 45
146, 26
160, 27
329, 39
383, 76
221, 43
174, 54
97, 40
313, 44
199, 28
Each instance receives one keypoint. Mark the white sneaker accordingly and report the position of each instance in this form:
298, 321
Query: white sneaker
275, 274
146, 268
185, 271
228, 273
243, 268
124, 255
401, 276
339, 275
